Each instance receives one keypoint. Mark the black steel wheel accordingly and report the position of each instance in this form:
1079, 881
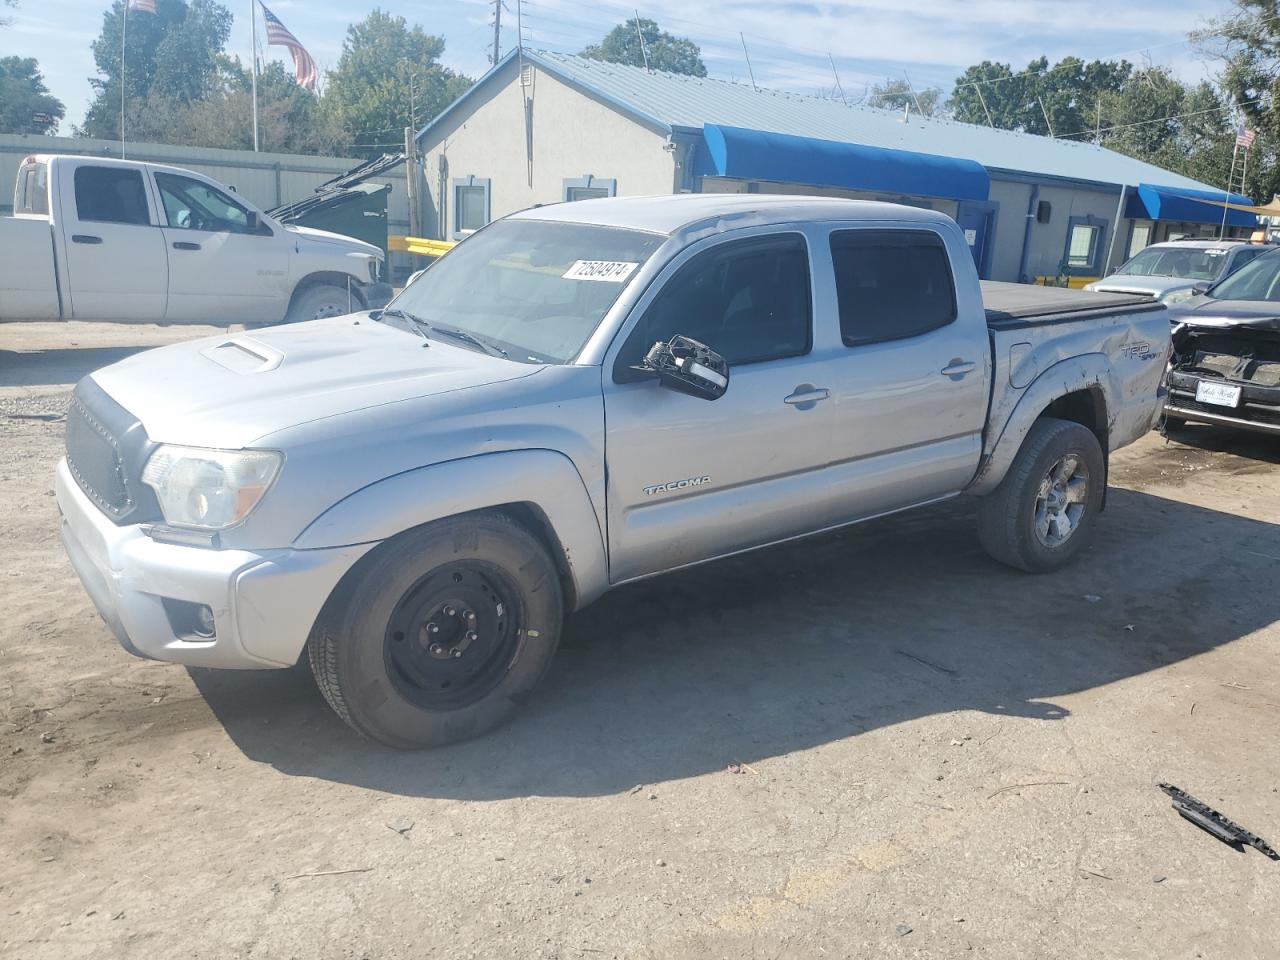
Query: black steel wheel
440, 633
451, 637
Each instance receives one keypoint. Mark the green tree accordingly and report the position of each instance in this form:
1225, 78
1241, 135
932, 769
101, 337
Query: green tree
896, 94
1247, 43
26, 106
173, 53
665, 51
1061, 99
387, 71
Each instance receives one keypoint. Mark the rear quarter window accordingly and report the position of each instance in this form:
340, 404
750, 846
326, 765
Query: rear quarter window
891, 284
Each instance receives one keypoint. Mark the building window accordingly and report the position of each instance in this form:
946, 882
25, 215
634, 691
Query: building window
589, 188
470, 205
1084, 245
1139, 239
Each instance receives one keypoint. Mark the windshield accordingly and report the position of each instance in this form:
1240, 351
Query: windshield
1187, 262
536, 288
1259, 280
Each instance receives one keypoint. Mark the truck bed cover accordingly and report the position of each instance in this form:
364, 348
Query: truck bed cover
1011, 305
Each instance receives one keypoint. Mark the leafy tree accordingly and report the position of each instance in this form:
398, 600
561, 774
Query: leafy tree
26, 106
1247, 43
384, 65
665, 51
896, 94
174, 53
1062, 98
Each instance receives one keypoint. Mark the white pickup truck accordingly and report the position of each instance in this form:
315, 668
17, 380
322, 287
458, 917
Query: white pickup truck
125, 241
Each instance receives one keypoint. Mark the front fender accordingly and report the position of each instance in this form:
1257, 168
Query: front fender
544, 479
1090, 371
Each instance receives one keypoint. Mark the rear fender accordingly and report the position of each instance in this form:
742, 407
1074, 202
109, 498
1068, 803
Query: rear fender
543, 480
1090, 371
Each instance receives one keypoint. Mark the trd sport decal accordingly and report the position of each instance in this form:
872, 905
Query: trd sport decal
675, 485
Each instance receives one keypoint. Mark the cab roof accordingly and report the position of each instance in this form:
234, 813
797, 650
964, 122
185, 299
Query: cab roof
669, 214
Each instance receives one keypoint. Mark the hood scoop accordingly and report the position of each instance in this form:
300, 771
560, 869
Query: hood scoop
244, 355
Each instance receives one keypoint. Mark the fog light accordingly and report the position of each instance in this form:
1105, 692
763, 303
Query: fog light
205, 626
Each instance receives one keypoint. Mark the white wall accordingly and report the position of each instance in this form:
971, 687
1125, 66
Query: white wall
573, 135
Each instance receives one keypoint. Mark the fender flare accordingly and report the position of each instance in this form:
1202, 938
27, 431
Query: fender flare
545, 481
1090, 371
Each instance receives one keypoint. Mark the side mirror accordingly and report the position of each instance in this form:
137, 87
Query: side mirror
1201, 288
690, 367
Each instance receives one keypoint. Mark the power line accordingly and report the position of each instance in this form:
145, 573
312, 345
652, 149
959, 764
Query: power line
1143, 123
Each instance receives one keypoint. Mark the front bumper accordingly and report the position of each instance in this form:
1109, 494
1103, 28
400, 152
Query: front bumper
264, 603
1259, 409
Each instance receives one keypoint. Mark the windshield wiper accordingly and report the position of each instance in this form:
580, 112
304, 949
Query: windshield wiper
487, 346
419, 325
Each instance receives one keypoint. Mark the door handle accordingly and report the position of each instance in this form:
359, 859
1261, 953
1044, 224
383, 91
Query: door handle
85, 238
957, 368
805, 394
185, 245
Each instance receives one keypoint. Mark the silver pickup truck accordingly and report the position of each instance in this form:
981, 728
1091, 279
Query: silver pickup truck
576, 397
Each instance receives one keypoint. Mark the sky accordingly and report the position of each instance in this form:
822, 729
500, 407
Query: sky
930, 41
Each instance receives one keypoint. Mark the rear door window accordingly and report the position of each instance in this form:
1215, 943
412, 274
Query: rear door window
111, 195
891, 284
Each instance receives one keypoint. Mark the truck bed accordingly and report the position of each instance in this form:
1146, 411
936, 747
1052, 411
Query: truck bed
1013, 305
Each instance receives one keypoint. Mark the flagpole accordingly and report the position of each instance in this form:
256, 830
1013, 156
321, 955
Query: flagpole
124, 33
253, 31
1230, 177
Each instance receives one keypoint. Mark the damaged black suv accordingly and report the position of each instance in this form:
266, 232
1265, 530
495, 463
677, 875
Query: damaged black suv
1226, 352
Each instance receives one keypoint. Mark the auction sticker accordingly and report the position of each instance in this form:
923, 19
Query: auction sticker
608, 271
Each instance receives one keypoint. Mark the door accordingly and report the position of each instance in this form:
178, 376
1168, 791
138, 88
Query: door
975, 219
690, 479
116, 265
909, 388
224, 266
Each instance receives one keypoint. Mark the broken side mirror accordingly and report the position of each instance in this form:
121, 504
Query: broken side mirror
690, 367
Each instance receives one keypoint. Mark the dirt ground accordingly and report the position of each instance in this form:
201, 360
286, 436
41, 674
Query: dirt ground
872, 744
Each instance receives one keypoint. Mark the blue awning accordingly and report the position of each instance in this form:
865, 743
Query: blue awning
781, 158
1152, 202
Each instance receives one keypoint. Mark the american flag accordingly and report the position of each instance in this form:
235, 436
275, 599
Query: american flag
304, 68
1244, 136
143, 6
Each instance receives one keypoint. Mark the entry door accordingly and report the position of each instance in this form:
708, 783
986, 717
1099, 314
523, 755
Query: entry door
221, 270
975, 219
910, 386
690, 479
116, 264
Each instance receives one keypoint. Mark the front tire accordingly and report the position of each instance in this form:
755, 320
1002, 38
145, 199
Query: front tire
320, 301
1044, 511
442, 633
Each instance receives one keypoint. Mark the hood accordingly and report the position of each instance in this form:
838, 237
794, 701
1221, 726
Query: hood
332, 239
232, 390
1205, 311
1150, 286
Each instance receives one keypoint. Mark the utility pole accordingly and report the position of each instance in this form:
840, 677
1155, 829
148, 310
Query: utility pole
124, 34
497, 32
411, 179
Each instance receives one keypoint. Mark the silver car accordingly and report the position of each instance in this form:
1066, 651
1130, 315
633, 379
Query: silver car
1178, 270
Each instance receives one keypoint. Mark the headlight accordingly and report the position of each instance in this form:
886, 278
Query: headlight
1179, 295
209, 489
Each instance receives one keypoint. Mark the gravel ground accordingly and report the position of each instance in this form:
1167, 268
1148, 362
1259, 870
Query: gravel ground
871, 744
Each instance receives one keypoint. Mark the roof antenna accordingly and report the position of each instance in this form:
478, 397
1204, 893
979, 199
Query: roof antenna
750, 72
839, 85
644, 52
919, 109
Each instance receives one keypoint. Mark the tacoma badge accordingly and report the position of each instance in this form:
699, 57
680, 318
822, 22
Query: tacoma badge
675, 485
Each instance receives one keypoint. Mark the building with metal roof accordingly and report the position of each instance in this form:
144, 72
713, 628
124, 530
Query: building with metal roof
549, 127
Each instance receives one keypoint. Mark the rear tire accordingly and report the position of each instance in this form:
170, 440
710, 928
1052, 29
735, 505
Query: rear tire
1044, 511
442, 633
320, 301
